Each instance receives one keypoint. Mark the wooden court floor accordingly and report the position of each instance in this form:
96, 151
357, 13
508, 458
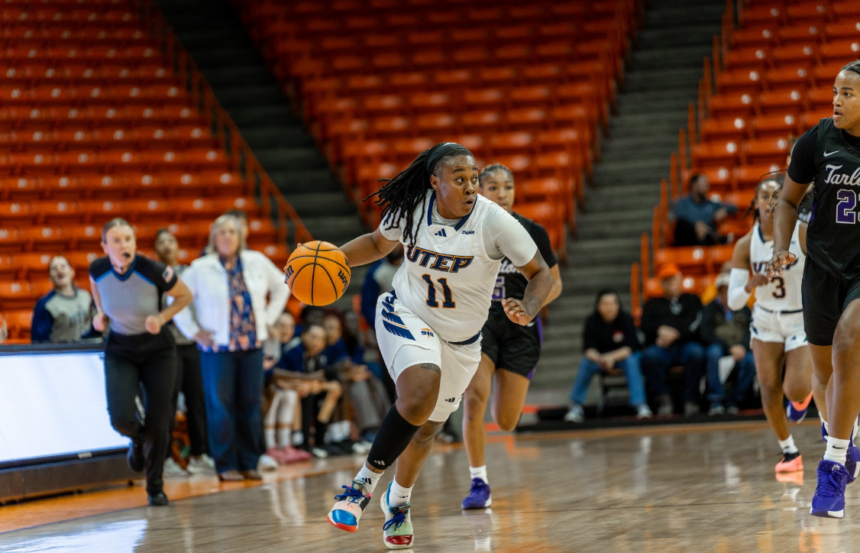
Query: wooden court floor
654, 490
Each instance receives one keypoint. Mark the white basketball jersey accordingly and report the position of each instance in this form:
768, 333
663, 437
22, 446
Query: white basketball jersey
783, 293
447, 277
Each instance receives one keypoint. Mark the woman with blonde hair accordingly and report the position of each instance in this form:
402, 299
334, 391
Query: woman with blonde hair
229, 322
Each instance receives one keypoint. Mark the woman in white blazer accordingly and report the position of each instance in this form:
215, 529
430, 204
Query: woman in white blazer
229, 322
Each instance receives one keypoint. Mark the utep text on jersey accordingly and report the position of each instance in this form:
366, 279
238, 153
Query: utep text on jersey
437, 261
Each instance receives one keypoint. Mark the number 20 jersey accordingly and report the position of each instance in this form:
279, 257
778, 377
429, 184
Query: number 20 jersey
784, 293
447, 276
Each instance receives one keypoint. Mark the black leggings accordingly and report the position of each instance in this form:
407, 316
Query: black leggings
150, 361
310, 409
189, 381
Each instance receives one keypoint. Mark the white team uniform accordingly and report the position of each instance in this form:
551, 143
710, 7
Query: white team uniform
778, 310
442, 292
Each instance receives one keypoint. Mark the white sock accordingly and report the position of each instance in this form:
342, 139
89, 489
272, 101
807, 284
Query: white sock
837, 450
284, 437
479, 472
369, 478
270, 438
298, 438
826, 428
787, 445
398, 495
856, 426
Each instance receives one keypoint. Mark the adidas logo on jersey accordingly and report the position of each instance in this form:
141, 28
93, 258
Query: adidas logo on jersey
441, 233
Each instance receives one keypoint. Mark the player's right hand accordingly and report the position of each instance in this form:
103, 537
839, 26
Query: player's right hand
779, 262
757, 280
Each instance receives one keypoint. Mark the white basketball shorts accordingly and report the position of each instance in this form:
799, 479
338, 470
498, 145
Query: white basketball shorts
779, 328
405, 340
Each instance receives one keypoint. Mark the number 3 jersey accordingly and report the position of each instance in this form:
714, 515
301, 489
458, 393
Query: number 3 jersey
783, 293
831, 157
449, 272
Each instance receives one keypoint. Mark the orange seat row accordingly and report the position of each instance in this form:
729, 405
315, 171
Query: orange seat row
108, 161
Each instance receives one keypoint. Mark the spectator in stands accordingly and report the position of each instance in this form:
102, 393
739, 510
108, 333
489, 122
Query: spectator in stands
189, 378
4, 330
671, 327
229, 322
378, 281
611, 345
283, 338
316, 383
65, 314
366, 392
727, 333
282, 410
697, 216
243, 221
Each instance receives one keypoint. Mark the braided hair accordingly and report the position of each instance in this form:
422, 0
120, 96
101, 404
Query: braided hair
401, 195
490, 169
854, 66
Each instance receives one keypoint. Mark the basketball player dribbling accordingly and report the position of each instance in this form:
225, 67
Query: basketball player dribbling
509, 351
778, 337
429, 326
829, 154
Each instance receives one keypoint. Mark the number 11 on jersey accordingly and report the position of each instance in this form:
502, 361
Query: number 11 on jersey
448, 302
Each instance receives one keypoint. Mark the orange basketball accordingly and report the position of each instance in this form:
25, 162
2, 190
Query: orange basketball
317, 273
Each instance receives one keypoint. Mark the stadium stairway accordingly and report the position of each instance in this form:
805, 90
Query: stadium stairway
211, 32
660, 80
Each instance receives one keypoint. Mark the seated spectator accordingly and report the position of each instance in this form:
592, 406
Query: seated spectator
366, 392
612, 346
671, 327
281, 400
303, 368
726, 332
282, 339
697, 216
65, 314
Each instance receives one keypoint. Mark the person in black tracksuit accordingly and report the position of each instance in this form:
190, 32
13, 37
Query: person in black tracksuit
140, 350
829, 154
511, 348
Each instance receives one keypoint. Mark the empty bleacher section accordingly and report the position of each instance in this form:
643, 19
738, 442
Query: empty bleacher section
769, 77
378, 81
103, 115
228, 59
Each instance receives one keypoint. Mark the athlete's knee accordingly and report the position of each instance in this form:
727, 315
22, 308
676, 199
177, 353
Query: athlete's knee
125, 423
507, 420
769, 382
476, 397
427, 432
417, 391
844, 340
796, 390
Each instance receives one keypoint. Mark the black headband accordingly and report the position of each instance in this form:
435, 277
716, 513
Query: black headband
439, 151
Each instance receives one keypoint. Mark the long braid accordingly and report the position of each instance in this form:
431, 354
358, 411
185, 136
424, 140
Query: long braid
399, 196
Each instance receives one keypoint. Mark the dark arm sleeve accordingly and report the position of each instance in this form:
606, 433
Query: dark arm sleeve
631, 337
163, 277
43, 322
589, 341
802, 167
541, 238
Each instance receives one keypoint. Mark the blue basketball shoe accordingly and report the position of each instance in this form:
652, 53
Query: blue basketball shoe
852, 457
796, 412
829, 498
479, 495
349, 507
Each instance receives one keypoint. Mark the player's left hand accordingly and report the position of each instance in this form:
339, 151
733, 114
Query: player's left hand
153, 324
516, 311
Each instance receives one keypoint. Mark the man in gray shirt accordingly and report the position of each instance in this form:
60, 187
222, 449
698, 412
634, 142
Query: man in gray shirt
66, 313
